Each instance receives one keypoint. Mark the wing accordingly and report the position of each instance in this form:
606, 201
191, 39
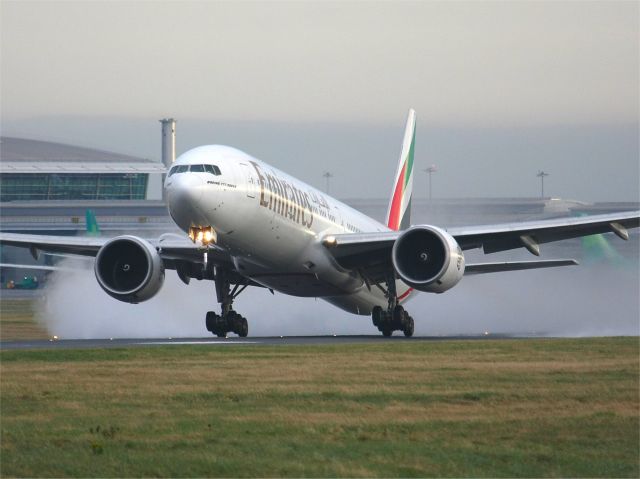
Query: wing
77, 245
172, 248
370, 253
530, 234
482, 268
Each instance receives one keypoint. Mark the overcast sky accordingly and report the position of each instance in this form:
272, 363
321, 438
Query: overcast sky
502, 89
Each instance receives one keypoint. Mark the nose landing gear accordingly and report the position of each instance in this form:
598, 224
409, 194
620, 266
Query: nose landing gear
229, 321
394, 318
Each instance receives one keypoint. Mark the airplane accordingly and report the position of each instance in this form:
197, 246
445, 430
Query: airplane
246, 223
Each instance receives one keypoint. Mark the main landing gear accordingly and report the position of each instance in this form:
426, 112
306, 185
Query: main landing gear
395, 318
229, 321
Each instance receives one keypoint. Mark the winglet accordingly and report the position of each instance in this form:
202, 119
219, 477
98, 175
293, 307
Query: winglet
399, 213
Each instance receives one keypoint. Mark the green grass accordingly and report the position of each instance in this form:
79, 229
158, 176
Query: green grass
451, 408
17, 320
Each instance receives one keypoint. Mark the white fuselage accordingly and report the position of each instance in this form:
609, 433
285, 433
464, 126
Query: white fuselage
272, 225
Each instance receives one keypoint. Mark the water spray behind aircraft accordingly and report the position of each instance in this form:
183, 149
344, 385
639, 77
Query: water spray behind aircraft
590, 300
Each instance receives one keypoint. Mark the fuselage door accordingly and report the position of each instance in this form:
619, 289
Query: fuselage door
250, 180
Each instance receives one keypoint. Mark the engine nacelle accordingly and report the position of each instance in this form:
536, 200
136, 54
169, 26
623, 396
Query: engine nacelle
129, 269
428, 259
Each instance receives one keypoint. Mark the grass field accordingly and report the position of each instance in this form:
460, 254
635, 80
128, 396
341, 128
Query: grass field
17, 322
450, 408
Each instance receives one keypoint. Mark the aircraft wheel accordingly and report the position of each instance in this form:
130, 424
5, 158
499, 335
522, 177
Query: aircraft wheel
210, 321
408, 327
233, 321
377, 315
243, 330
398, 314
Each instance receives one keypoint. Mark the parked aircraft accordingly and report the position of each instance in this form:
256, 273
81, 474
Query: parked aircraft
247, 223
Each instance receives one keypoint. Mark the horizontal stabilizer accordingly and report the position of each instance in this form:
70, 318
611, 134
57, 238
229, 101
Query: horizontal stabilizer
481, 268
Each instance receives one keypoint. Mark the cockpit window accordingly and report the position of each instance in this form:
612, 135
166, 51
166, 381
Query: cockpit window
178, 169
213, 169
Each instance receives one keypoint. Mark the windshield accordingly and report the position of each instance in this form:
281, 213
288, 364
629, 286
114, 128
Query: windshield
213, 169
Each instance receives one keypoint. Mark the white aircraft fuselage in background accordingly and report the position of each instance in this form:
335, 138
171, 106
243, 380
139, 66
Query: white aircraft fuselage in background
272, 224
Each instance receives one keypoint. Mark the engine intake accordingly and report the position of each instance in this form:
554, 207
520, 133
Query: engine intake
129, 269
428, 259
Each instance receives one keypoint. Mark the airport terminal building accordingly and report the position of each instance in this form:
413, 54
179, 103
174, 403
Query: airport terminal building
33, 170
47, 188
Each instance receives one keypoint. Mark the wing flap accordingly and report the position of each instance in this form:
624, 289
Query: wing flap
482, 268
39, 267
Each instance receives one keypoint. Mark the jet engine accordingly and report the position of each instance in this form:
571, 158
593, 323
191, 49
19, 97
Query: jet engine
129, 269
428, 259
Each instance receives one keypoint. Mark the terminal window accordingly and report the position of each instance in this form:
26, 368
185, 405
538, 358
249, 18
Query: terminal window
39, 186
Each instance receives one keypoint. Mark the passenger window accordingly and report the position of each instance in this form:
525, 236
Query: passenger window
197, 169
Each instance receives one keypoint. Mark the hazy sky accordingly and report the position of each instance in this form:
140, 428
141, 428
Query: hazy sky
502, 89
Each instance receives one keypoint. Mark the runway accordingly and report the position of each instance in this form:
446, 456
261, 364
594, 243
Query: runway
235, 341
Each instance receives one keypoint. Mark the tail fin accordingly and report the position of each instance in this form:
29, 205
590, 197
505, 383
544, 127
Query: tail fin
399, 213
92, 224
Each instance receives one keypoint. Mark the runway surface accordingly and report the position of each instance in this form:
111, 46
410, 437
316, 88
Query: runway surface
232, 341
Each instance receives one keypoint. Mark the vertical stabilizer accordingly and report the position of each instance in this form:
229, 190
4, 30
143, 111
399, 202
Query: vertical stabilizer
399, 213
92, 224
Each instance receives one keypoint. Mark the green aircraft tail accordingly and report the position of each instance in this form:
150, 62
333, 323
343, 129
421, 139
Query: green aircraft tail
92, 224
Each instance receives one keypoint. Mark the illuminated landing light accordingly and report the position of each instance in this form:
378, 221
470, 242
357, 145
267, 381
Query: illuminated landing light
205, 235
330, 241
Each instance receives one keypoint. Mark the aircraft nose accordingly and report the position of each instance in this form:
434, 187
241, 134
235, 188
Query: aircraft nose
184, 192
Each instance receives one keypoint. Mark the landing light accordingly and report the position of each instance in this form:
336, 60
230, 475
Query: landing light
330, 241
203, 234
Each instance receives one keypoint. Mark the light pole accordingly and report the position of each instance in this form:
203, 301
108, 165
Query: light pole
541, 174
327, 176
432, 169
